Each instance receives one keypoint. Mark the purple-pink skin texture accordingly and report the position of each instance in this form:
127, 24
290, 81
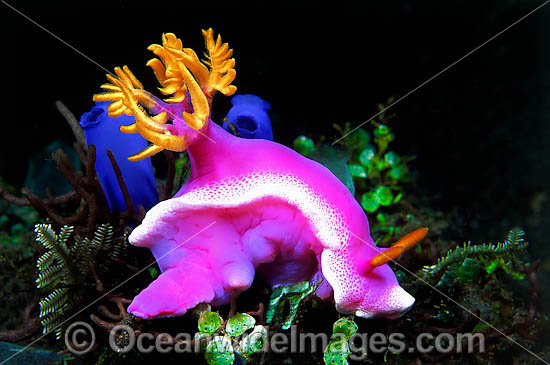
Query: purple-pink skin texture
252, 205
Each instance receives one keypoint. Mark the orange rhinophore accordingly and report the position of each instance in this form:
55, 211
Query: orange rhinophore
406, 242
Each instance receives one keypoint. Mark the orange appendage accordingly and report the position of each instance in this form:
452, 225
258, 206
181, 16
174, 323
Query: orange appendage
406, 242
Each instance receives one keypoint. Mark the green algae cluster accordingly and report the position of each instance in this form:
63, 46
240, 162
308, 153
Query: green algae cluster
363, 162
239, 336
338, 349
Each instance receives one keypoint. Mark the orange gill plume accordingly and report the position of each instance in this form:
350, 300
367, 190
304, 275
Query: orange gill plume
406, 242
179, 72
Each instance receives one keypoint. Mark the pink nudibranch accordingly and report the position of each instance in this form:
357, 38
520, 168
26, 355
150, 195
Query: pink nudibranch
254, 205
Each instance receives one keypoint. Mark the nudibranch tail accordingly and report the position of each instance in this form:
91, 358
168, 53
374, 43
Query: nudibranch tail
403, 244
181, 74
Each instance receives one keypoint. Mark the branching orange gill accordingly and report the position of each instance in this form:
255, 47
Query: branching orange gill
182, 77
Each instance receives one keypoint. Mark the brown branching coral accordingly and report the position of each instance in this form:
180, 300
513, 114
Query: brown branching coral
86, 203
22, 202
93, 206
122, 317
87, 192
73, 123
94, 252
131, 212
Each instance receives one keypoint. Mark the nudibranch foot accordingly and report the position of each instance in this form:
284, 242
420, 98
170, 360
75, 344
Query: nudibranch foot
173, 293
222, 260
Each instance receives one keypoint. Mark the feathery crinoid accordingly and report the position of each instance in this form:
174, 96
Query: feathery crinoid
513, 246
57, 272
68, 265
182, 75
55, 263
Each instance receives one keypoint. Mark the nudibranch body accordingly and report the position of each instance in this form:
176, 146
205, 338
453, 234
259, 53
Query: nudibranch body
249, 205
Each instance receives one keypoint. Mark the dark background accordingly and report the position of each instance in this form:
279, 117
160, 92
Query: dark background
480, 131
